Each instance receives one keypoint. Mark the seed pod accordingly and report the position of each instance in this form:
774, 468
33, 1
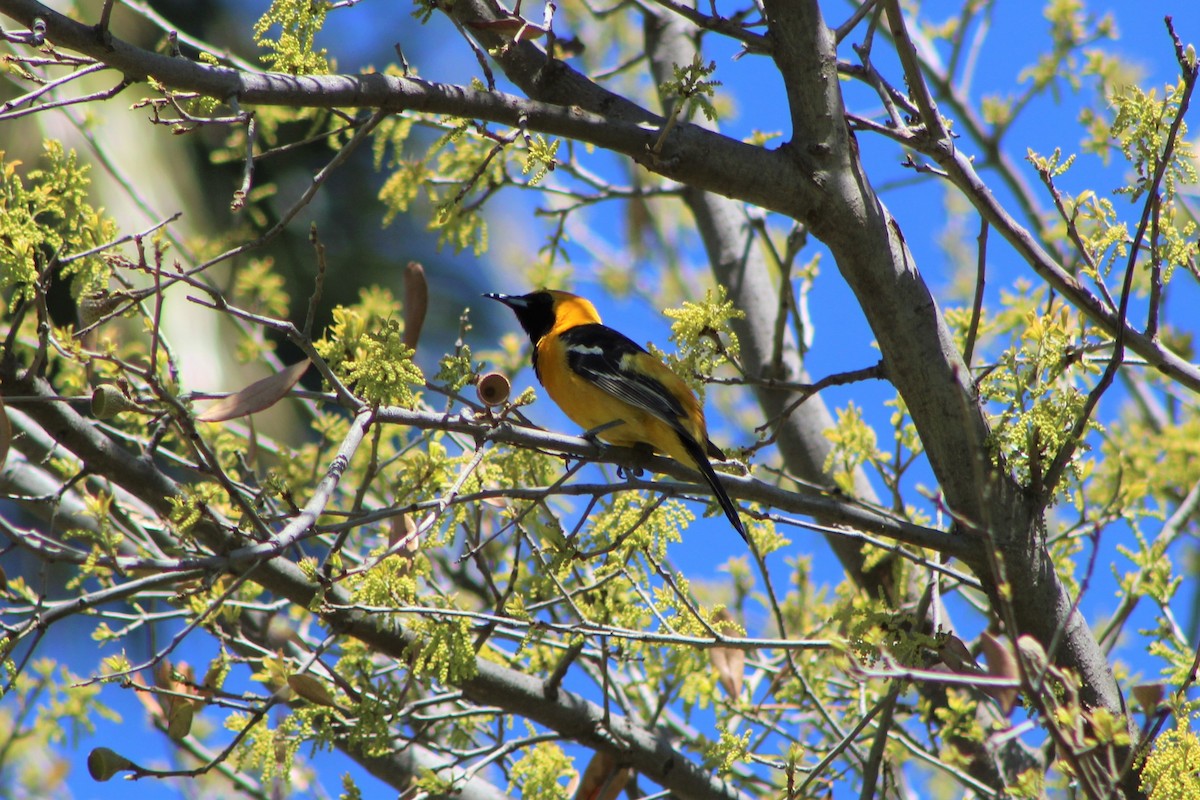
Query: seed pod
1149, 696
104, 763
493, 389
100, 303
108, 401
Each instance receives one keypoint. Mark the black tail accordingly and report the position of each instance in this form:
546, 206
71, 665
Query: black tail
696, 451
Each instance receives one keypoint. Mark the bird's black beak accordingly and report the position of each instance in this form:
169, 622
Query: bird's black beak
514, 302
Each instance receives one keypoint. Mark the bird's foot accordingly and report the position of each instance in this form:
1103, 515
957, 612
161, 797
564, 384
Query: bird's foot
629, 472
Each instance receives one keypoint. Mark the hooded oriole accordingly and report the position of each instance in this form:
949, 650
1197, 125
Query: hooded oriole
609, 384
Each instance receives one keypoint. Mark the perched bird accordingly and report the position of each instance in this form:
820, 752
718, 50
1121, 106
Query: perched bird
610, 385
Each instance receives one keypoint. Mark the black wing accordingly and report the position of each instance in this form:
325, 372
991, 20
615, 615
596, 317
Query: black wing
596, 352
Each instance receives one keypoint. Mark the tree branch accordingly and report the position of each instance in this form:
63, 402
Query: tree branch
568, 713
565, 104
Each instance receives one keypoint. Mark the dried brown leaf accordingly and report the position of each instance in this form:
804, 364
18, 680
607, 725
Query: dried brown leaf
416, 303
214, 676
1034, 655
1000, 659
251, 442
256, 397
403, 529
180, 714
1001, 663
729, 662
955, 655
603, 779
1149, 695
5, 433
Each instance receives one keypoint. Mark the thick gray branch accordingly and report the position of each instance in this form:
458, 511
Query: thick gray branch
924, 364
740, 266
919, 352
691, 155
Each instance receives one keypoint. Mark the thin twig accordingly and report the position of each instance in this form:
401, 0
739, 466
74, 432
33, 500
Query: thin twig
977, 305
1063, 458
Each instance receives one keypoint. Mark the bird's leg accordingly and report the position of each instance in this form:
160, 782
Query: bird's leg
627, 472
593, 435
